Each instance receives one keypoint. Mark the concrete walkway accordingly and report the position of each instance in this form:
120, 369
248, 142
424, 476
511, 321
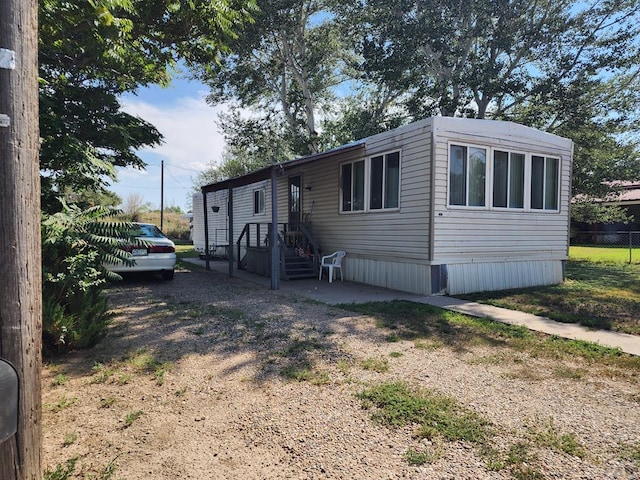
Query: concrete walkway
339, 292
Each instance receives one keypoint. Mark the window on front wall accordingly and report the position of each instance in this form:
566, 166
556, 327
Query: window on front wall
467, 176
353, 186
508, 179
518, 180
384, 182
544, 182
371, 184
258, 202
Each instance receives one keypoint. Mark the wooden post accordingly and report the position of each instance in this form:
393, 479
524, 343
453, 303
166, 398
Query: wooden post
275, 248
20, 254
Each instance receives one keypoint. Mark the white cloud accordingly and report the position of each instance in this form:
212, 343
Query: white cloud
191, 137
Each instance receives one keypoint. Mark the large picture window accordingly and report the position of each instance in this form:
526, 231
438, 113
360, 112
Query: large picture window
467, 176
512, 180
372, 184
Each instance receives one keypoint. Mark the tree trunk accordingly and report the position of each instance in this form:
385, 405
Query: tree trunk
20, 254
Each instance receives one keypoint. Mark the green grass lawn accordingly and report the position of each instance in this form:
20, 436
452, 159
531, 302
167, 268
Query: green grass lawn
604, 254
598, 293
184, 250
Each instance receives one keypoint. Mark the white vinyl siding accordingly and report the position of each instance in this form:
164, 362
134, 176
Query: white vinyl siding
390, 248
489, 235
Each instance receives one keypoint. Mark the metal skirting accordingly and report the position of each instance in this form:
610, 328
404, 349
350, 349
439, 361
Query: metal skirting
478, 277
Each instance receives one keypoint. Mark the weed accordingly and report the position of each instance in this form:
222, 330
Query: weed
160, 372
392, 338
303, 372
630, 452
102, 373
142, 360
298, 346
198, 331
396, 405
546, 435
132, 417
123, 379
430, 345
62, 404
62, 472
524, 373
395, 354
106, 473
181, 392
416, 458
519, 454
107, 402
146, 362
60, 379
343, 366
379, 365
69, 438
564, 371
525, 472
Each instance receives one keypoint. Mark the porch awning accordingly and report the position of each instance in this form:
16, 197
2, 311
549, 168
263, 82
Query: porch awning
265, 173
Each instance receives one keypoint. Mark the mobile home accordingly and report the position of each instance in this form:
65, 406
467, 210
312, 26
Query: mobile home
440, 206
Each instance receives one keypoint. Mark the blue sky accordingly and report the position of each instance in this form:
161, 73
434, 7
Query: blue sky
191, 142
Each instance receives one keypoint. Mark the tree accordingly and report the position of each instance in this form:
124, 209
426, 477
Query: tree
20, 289
566, 68
286, 64
133, 206
91, 51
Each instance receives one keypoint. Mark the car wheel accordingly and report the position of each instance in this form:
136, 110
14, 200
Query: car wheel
167, 274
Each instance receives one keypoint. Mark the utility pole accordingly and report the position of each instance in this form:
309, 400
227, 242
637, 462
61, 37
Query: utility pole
162, 195
20, 255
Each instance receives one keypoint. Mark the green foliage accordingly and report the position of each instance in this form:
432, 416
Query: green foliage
396, 405
90, 52
284, 66
62, 472
75, 245
414, 457
592, 213
599, 295
132, 417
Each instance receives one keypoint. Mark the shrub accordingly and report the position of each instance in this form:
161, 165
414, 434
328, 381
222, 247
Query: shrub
75, 245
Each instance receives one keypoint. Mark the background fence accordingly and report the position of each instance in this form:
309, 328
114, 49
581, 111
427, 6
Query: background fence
629, 240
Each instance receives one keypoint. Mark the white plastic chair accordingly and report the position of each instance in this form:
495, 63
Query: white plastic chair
333, 261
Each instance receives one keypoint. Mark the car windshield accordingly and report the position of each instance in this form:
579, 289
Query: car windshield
150, 231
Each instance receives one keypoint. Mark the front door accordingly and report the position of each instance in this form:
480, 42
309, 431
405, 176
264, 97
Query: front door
295, 202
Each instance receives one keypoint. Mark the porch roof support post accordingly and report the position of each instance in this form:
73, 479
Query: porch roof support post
273, 241
206, 230
230, 228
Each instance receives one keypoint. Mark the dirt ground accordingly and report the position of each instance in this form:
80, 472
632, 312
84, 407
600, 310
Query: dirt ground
196, 379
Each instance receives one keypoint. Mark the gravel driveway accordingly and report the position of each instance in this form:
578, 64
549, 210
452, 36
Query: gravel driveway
194, 381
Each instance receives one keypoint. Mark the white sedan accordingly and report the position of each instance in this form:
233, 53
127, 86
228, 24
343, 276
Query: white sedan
156, 253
